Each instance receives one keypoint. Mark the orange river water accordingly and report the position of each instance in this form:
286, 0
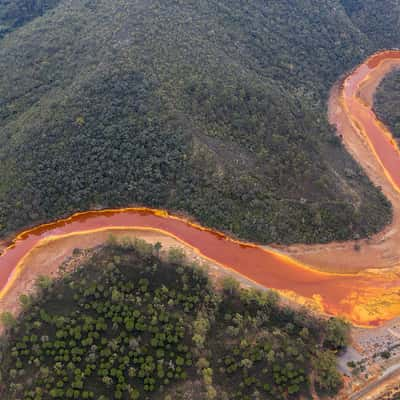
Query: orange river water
349, 295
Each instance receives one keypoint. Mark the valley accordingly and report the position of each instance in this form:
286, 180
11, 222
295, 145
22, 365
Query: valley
361, 285
235, 137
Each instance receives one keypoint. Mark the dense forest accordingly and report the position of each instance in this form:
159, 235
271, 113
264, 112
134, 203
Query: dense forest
378, 20
127, 324
212, 108
387, 102
15, 13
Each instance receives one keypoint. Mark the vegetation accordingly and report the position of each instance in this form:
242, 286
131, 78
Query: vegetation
214, 108
15, 13
337, 331
379, 21
126, 325
387, 102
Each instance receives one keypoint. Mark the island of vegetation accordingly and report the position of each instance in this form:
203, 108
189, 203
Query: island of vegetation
131, 321
387, 102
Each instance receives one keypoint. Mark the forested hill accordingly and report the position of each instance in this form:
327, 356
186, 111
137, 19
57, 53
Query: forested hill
125, 325
378, 20
15, 13
387, 102
213, 108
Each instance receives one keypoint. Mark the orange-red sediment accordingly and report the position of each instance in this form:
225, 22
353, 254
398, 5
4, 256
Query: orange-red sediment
365, 298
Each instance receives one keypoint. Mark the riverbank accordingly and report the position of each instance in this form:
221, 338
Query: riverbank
52, 252
47, 257
380, 251
358, 280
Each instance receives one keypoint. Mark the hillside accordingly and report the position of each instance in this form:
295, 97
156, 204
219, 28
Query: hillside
387, 102
212, 108
125, 325
378, 20
16, 13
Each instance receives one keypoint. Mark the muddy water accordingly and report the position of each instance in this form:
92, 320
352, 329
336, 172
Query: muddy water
379, 138
366, 298
337, 293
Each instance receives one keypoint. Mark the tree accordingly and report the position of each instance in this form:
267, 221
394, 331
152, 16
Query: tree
157, 248
43, 282
7, 319
230, 285
111, 240
134, 394
176, 255
25, 300
337, 334
200, 328
327, 377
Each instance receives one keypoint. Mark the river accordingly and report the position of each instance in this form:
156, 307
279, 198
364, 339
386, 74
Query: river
366, 298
